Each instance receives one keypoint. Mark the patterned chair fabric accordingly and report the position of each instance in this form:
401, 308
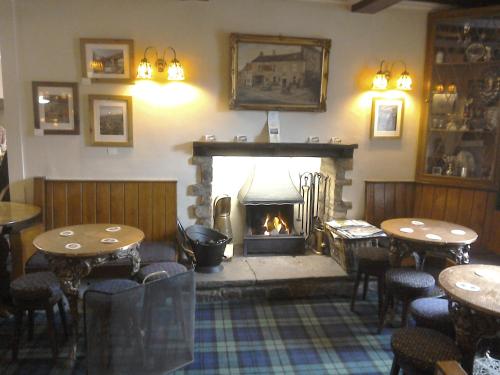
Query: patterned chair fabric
36, 286
409, 280
432, 313
37, 291
168, 268
404, 284
150, 252
112, 286
419, 349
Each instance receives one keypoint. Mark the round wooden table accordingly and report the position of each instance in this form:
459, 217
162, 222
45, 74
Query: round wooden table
411, 236
474, 293
13, 218
73, 251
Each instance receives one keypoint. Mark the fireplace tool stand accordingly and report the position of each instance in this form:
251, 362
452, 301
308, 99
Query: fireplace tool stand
314, 188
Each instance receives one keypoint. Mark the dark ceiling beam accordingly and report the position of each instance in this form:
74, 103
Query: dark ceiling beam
372, 6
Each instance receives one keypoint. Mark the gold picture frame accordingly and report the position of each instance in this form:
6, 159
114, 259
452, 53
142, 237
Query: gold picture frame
111, 120
387, 118
279, 73
107, 60
56, 107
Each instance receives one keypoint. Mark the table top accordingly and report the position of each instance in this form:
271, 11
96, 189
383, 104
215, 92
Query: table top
13, 213
429, 231
88, 240
474, 285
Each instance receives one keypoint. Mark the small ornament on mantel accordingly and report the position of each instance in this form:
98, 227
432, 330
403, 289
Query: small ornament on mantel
312, 139
273, 126
208, 138
240, 138
335, 140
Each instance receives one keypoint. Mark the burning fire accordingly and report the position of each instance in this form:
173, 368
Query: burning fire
275, 226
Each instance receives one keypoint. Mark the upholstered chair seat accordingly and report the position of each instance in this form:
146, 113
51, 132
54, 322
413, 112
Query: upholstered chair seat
417, 350
430, 312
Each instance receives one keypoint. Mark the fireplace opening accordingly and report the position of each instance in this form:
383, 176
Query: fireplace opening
270, 220
269, 197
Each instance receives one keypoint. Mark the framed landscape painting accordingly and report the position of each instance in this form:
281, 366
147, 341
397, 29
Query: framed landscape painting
277, 73
111, 120
107, 60
387, 118
55, 106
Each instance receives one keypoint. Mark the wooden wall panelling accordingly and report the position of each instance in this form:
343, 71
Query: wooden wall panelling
89, 202
159, 210
117, 203
103, 214
145, 208
452, 204
439, 204
59, 204
171, 211
385, 200
74, 203
132, 204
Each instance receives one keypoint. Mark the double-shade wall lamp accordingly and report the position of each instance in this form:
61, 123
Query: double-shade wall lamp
383, 76
175, 71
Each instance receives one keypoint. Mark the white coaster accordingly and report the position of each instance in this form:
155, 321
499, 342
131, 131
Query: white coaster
109, 240
73, 246
113, 229
416, 222
458, 232
467, 286
431, 236
66, 233
406, 230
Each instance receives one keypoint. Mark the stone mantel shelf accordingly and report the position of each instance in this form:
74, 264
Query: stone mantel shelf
331, 150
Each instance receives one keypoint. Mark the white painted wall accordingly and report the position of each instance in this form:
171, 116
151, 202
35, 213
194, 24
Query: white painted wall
44, 37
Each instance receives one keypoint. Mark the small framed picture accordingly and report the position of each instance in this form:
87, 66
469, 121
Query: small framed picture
55, 106
387, 118
111, 120
107, 60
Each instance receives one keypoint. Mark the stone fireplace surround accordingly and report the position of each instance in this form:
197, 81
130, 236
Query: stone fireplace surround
336, 159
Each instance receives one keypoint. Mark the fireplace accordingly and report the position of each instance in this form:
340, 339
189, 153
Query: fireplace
269, 197
223, 167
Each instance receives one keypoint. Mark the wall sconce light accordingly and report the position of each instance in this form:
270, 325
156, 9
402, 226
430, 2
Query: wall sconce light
383, 75
175, 71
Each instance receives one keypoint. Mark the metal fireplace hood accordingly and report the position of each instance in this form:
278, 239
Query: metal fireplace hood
269, 183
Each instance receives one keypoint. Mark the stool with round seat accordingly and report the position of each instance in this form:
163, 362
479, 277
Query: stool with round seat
433, 313
158, 270
417, 350
372, 261
37, 291
405, 285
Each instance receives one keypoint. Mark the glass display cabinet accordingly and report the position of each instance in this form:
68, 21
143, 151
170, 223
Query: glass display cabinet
460, 128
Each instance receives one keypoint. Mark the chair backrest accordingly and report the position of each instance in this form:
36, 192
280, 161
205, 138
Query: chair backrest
148, 329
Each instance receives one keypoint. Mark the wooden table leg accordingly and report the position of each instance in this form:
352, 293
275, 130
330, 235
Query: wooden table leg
470, 327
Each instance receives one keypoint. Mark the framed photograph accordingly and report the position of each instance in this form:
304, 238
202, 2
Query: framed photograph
387, 118
108, 60
111, 120
277, 73
55, 106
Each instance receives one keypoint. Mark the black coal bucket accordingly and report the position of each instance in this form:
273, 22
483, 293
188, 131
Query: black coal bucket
208, 246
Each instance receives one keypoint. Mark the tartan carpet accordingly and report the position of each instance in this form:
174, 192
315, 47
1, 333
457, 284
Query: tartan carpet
308, 336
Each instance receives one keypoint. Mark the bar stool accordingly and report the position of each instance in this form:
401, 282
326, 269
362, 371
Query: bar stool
37, 291
417, 350
433, 313
372, 261
405, 285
